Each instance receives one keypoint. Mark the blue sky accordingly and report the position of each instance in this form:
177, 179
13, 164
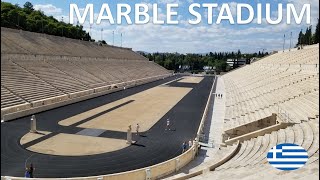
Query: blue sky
186, 38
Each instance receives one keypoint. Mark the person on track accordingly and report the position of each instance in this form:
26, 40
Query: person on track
168, 124
31, 169
190, 143
27, 173
137, 129
184, 146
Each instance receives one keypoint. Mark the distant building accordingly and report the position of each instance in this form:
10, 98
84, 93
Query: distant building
185, 67
233, 63
209, 68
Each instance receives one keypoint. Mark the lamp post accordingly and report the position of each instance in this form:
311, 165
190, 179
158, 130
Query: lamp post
41, 22
121, 39
101, 34
113, 38
62, 26
18, 20
263, 51
290, 41
284, 41
90, 30
78, 29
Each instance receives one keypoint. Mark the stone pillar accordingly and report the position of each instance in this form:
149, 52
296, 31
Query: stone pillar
193, 152
148, 174
195, 145
177, 164
33, 124
129, 135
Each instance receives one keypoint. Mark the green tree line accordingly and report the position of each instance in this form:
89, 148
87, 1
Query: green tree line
196, 62
308, 38
29, 19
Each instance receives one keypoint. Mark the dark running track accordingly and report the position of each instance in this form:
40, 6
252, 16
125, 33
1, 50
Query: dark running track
155, 146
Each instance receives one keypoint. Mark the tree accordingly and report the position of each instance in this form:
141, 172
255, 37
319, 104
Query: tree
238, 54
168, 64
308, 36
13, 15
104, 42
316, 34
28, 7
221, 66
300, 38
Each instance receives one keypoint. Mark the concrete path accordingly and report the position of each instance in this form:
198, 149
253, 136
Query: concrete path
216, 126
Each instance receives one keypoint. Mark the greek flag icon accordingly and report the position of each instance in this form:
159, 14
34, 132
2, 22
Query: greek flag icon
287, 156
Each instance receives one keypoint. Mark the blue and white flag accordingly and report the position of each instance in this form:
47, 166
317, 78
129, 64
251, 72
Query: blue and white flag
287, 156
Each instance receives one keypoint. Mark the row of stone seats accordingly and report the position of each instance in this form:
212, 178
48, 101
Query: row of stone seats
252, 98
96, 68
272, 97
308, 55
299, 108
15, 41
217, 156
273, 81
260, 87
71, 69
24, 84
250, 161
9, 99
8, 47
50, 74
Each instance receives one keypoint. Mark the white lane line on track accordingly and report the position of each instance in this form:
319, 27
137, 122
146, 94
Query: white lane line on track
170, 81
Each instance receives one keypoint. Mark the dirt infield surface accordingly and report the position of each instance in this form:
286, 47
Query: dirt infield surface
145, 108
191, 79
32, 136
77, 145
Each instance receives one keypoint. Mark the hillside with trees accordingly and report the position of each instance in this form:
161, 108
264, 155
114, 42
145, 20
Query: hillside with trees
29, 19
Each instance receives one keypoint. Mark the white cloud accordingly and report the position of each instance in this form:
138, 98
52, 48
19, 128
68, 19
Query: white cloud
186, 38
170, 2
233, 7
48, 8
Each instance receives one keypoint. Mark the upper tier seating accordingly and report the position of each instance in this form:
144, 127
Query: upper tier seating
37, 67
23, 42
